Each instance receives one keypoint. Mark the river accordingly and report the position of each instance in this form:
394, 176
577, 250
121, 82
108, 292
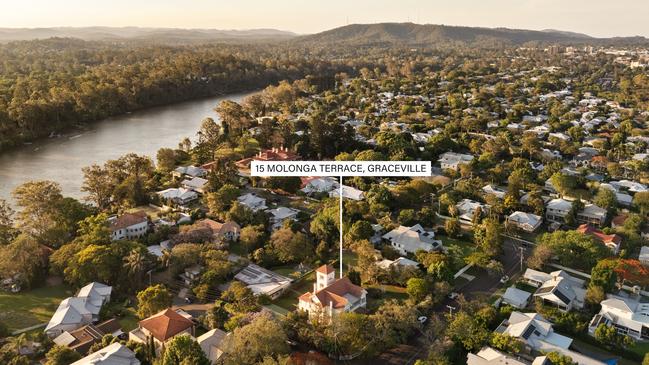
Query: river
142, 132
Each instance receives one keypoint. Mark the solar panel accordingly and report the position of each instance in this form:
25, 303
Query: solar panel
561, 296
528, 332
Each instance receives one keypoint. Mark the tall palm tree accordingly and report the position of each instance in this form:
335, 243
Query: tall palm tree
135, 263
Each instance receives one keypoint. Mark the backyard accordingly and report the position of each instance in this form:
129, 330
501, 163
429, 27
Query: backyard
32, 307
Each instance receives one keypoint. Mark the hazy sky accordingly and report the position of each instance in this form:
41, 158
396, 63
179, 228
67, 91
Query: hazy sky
594, 17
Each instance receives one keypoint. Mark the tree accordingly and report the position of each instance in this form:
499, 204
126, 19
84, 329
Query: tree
240, 298
291, 246
557, 358
183, 350
252, 237
641, 202
61, 355
452, 227
393, 323
153, 300
506, 343
98, 184
572, 248
38, 215
417, 289
166, 158
605, 198
603, 275
645, 359
221, 200
216, 315
563, 183
23, 258
609, 337
468, 331
136, 263
7, 230
249, 344
487, 237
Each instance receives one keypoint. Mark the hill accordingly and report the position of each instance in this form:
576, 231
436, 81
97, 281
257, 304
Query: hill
429, 34
165, 35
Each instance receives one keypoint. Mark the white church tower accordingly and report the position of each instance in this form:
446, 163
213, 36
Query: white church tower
325, 276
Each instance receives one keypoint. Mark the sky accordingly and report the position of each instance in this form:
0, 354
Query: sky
600, 18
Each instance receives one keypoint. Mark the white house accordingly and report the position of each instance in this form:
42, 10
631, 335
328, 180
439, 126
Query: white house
80, 310
537, 334
628, 316
128, 226
319, 185
644, 255
466, 209
331, 296
399, 263
490, 356
281, 214
452, 160
412, 239
180, 196
261, 281
191, 170
349, 192
494, 190
525, 221
212, 344
113, 354
557, 288
556, 210
252, 201
196, 184
592, 214
516, 298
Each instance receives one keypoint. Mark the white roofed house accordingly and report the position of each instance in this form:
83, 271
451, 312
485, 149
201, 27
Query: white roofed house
538, 336
556, 210
629, 316
592, 214
262, 281
319, 185
412, 239
515, 297
557, 288
180, 196
467, 208
490, 356
113, 354
252, 201
212, 343
128, 225
349, 192
281, 214
196, 184
525, 221
494, 190
452, 160
191, 170
80, 310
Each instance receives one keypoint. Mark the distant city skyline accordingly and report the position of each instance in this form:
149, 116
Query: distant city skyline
599, 18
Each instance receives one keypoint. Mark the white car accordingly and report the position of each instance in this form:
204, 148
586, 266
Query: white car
422, 319
504, 279
453, 295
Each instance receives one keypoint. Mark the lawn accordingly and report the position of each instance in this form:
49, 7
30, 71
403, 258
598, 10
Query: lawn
129, 319
289, 300
32, 307
600, 353
640, 348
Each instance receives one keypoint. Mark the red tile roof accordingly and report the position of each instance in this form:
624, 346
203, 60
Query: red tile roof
128, 219
325, 269
599, 235
166, 324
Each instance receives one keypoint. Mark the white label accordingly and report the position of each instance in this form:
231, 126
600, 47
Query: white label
340, 168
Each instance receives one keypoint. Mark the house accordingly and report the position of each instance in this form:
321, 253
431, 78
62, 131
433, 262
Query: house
349, 192
82, 339
557, 288
274, 154
452, 160
525, 221
412, 239
331, 295
397, 264
196, 184
191, 170
467, 208
162, 327
490, 356
592, 214
494, 190
281, 214
263, 282
228, 231
179, 196
643, 257
612, 241
80, 310
556, 210
537, 335
252, 202
192, 274
315, 185
629, 316
128, 226
516, 298
114, 354
212, 344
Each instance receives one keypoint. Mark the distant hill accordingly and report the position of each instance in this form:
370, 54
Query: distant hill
428, 34
173, 35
